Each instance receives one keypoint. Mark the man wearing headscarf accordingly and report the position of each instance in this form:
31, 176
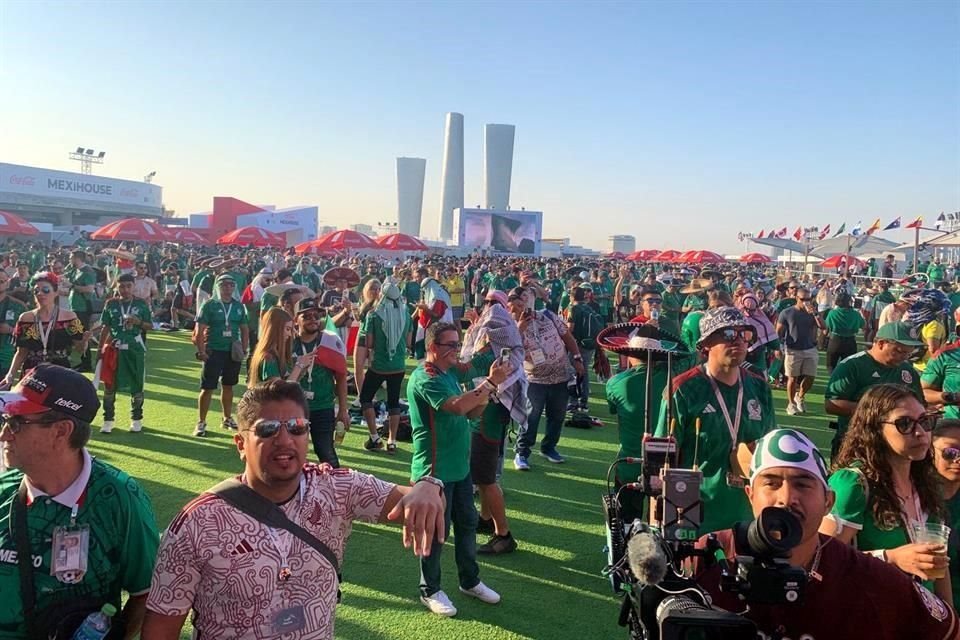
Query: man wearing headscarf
434, 307
766, 340
386, 333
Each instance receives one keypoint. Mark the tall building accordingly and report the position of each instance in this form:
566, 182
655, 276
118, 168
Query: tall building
451, 189
623, 244
360, 227
497, 165
410, 175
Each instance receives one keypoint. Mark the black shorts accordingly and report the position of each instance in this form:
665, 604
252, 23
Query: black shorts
484, 459
371, 384
219, 366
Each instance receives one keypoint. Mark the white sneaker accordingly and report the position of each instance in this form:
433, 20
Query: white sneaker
201, 430
107, 426
136, 426
801, 405
791, 409
439, 604
483, 593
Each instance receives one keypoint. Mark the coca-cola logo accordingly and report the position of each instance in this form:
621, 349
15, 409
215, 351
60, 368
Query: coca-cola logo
26, 181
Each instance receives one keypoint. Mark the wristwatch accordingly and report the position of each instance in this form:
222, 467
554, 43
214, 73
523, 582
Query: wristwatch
951, 397
578, 357
437, 482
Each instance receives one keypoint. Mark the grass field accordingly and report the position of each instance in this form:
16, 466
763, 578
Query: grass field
551, 586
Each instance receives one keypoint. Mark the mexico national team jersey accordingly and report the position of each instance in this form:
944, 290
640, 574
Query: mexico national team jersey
441, 440
855, 374
225, 565
626, 397
694, 397
943, 373
123, 547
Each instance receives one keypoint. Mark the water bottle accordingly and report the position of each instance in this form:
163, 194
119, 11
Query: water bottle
340, 430
97, 624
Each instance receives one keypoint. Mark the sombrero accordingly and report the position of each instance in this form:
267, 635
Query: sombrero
278, 289
639, 340
120, 253
697, 285
332, 276
574, 271
710, 273
224, 263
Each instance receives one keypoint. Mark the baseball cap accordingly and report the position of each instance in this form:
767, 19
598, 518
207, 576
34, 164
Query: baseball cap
49, 387
900, 332
714, 320
225, 277
306, 304
788, 448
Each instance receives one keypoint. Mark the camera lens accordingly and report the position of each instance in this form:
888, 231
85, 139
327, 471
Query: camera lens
774, 533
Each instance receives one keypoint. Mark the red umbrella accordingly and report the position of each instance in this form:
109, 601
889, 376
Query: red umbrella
842, 259
615, 255
345, 239
13, 225
682, 257
246, 236
186, 236
701, 257
665, 256
310, 247
400, 242
643, 255
753, 258
131, 229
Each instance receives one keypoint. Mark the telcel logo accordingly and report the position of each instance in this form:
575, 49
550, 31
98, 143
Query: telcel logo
69, 404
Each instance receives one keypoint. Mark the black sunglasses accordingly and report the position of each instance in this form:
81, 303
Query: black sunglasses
313, 316
449, 345
907, 425
270, 428
653, 300
732, 335
16, 424
950, 454
44, 289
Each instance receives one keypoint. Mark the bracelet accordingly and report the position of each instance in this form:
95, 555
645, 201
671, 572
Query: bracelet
493, 387
578, 357
437, 482
879, 554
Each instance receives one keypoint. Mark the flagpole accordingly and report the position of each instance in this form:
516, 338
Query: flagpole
916, 246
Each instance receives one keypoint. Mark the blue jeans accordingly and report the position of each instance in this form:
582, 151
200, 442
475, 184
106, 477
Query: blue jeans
463, 513
553, 399
321, 433
583, 383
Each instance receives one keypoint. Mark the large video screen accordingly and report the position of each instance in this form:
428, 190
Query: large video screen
517, 232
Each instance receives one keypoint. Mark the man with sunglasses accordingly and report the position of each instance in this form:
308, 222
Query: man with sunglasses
221, 324
10, 310
244, 580
322, 387
789, 298
797, 327
719, 410
440, 415
70, 501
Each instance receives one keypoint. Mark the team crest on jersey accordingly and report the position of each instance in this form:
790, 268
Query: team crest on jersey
709, 409
754, 412
934, 605
906, 376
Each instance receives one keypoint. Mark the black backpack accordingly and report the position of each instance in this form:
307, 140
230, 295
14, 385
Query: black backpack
587, 325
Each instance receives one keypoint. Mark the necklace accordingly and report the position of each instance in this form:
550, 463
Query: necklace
816, 562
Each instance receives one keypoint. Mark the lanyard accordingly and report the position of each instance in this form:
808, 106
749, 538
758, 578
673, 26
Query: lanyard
918, 509
125, 312
312, 361
282, 543
45, 336
227, 310
734, 425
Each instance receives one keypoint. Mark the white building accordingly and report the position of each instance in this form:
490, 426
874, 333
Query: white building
410, 176
451, 180
497, 165
622, 243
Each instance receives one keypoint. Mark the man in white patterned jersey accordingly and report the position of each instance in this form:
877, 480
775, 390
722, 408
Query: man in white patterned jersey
244, 579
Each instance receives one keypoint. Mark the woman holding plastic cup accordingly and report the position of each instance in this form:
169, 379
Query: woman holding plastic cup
946, 457
888, 500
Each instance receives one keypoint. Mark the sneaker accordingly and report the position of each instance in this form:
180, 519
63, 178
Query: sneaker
439, 604
392, 448
229, 423
483, 593
107, 426
136, 426
520, 463
201, 430
791, 409
801, 405
485, 525
370, 445
498, 544
553, 456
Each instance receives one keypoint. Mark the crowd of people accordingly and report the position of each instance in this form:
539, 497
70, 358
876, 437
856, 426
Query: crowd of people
684, 351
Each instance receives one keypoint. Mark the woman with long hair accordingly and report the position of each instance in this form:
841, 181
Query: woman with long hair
273, 357
885, 485
369, 297
46, 333
946, 458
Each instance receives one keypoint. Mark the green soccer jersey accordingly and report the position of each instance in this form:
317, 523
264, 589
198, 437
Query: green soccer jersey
844, 322
113, 316
382, 361
441, 440
694, 398
943, 373
82, 277
224, 321
784, 304
317, 380
10, 310
268, 300
308, 279
670, 312
695, 302
854, 375
122, 550
953, 550
626, 396
555, 287
492, 423
270, 368
690, 330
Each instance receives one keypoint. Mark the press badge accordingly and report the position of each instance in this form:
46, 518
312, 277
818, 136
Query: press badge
227, 333
736, 480
289, 620
71, 546
10, 316
537, 357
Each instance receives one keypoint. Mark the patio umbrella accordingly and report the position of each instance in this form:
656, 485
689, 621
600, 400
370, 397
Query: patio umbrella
310, 248
246, 236
642, 255
345, 239
133, 229
842, 259
13, 225
400, 242
615, 255
701, 257
186, 236
665, 256
754, 258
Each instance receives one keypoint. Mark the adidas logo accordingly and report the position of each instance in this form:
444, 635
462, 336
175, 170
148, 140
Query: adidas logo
241, 549
875, 375
709, 409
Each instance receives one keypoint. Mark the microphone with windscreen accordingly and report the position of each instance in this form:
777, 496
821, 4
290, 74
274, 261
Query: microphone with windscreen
647, 559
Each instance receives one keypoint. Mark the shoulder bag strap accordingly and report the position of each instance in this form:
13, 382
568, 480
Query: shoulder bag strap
256, 506
25, 559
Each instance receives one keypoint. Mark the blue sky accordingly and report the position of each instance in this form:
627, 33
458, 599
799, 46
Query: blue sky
680, 123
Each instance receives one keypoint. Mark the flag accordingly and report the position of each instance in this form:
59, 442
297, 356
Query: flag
798, 233
915, 224
840, 230
874, 227
940, 220
760, 235
893, 225
331, 353
825, 232
857, 229
782, 233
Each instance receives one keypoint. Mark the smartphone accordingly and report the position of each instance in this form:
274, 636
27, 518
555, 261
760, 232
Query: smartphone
505, 354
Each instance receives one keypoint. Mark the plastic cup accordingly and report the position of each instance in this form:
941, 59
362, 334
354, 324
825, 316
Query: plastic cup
932, 533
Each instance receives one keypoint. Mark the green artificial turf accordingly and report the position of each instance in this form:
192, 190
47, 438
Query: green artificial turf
551, 586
